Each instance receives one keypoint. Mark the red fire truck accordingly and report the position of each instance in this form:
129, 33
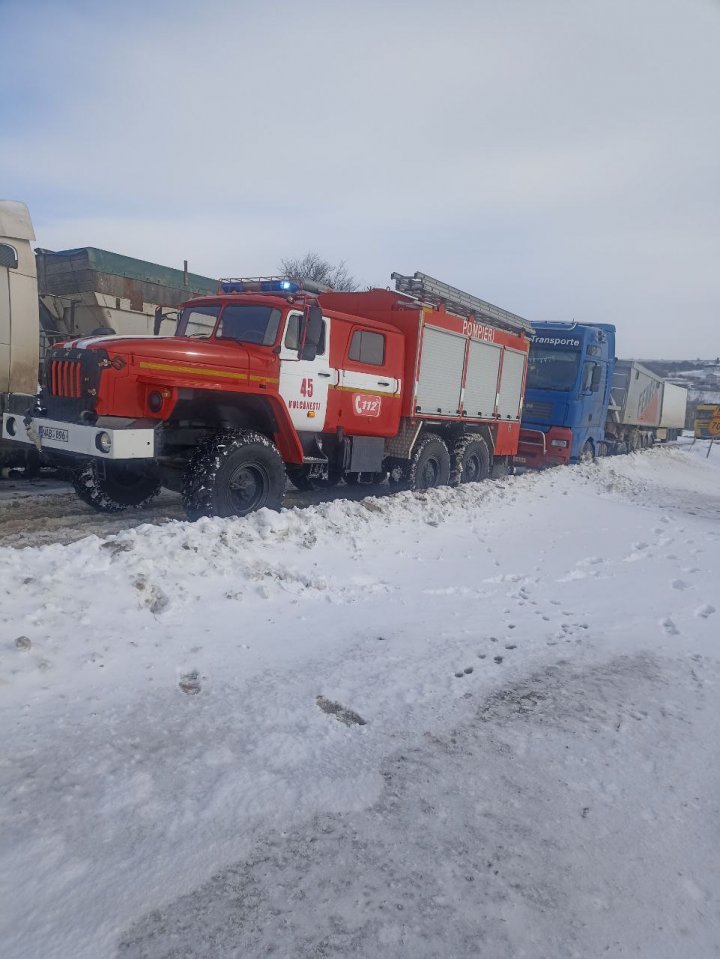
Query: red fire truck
273, 377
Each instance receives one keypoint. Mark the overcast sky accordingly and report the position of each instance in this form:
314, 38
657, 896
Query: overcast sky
560, 158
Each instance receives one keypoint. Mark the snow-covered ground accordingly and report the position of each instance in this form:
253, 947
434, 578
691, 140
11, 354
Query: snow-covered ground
475, 722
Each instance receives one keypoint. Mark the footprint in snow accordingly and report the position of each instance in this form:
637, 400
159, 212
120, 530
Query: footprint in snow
343, 715
680, 584
190, 683
669, 627
637, 555
704, 611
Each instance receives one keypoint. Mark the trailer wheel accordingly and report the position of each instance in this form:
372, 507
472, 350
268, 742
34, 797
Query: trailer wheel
428, 467
470, 461
113, 486
232, 474
587, 453
298, 476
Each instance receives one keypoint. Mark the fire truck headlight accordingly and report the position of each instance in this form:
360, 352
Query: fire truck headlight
155, 401
560, 443
103, 441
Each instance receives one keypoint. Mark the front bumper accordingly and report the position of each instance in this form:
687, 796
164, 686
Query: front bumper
535, 449
128, 439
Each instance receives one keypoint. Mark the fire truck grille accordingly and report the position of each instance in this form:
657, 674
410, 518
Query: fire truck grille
72, 378
66, 378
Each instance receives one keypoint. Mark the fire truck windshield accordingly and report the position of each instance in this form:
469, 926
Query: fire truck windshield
197, 320
248, 323
550, 369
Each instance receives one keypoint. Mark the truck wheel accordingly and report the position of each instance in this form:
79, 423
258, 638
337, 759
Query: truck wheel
587, 453
232, 474
429, 465
470, 461
113, 486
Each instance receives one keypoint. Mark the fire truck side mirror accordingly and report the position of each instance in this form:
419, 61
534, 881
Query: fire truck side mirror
160, 316
311, 333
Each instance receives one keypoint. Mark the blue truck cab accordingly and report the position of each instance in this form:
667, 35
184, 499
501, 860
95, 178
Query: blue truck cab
567, 392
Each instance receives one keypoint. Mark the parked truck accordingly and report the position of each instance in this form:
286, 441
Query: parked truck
675, 413
49, 296
706, 424
19, 323
272, 377
581, 402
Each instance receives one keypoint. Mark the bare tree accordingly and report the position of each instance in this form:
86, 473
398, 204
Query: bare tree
313, 267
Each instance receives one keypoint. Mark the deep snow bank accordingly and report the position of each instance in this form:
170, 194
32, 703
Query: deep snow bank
161, 709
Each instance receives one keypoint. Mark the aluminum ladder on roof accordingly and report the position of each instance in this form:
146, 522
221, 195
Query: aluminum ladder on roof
429, 290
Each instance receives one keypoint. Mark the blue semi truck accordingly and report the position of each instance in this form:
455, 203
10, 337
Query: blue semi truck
581, 402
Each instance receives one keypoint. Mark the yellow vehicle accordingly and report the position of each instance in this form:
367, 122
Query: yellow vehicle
707, 421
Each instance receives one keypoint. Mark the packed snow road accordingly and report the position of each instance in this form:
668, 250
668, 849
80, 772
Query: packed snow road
46, 511
469, 722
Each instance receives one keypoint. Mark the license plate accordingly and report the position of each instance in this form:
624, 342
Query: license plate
54, 433
520, 459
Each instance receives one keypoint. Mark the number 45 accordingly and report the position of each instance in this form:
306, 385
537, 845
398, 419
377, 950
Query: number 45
306, 387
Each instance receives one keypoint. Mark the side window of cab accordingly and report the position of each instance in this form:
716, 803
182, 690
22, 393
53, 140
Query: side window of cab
367, 348
292, 334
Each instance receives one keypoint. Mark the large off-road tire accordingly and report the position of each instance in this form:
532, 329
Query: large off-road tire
111, 486
298, 476
232, 474
428, 467
469, 460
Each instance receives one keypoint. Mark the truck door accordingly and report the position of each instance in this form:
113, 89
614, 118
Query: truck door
304, 384
592, 390
370, 382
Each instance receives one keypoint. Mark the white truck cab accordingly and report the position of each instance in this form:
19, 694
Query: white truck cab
19, 319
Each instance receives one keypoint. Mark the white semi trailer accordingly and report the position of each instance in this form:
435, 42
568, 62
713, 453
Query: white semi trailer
643, 407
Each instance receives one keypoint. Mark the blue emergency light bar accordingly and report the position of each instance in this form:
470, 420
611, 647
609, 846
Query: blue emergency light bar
260, 284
